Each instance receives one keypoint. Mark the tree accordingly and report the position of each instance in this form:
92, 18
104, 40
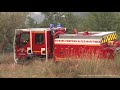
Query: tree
31, 23
67, 19
101, 21
9, 21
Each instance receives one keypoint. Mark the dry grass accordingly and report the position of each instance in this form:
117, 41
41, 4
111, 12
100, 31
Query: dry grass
66, 69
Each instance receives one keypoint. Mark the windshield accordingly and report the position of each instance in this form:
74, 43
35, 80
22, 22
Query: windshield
24, 39
24, 36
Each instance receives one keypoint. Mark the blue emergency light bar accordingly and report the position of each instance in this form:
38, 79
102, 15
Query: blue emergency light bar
58, 25
51, 25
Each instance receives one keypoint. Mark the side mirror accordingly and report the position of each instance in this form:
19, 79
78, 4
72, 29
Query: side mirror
17, 40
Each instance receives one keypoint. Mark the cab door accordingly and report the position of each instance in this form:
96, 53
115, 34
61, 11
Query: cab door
22, 43
38, 42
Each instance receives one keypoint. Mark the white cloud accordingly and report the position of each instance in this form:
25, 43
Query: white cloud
40, 17
37, 13
37, 16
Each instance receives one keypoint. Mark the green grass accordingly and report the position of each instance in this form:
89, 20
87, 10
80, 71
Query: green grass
66, 69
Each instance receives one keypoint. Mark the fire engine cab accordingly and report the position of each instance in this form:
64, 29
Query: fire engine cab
54, 43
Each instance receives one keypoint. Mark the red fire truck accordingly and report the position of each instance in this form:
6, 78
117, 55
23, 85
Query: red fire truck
55, 43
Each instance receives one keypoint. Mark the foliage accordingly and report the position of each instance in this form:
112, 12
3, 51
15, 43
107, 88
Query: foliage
94, 21
9, 21
67, 19
101, 21
30, 22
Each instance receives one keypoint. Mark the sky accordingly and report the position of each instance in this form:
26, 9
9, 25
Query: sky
40, 17
37, 16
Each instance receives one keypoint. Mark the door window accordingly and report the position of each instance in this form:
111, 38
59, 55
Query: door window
39, 39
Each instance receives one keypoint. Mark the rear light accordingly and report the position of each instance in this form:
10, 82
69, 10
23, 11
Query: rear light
115, 45
111, 43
